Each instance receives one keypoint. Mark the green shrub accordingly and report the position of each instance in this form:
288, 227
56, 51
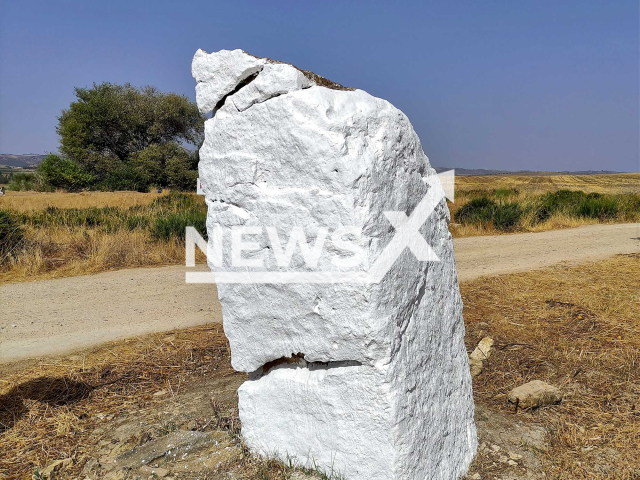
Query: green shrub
11, 235
173, 225
476, 211
506, 216
59, 172
576, 203
629, 207
602, 208
484, 211
23, 181
126, 177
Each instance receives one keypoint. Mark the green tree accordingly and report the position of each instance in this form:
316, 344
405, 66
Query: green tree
182, 171
109, 126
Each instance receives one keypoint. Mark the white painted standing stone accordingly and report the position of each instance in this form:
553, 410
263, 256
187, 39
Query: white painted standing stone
369, 380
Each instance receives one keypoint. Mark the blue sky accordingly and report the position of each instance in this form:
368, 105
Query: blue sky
540, 85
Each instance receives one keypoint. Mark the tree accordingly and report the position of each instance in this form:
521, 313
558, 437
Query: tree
182, 171
109, 126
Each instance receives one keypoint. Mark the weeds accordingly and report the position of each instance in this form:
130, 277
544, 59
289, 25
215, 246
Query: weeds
69, 241
165, 218
490, 209
11, 235
501, 215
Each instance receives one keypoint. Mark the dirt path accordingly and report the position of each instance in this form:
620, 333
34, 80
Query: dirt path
56, 316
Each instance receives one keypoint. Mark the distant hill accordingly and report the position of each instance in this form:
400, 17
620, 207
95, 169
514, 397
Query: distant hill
27, 160
471, 172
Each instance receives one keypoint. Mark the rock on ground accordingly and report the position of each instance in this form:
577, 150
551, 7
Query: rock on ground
481, 353
382, 363
535, 394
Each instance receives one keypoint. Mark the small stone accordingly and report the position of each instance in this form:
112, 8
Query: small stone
515, 456
513, 463
160, 393
535, 394
476, 476
495, 448
479, 355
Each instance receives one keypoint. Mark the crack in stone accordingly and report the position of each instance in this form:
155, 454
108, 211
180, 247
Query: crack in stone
297, 360
240, 86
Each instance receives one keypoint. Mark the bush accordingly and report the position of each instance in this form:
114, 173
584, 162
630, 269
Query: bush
59, 172
476, 211
181, 173
126, 177
506, 216
566, 201
11, 235
484, 211
580, 204
602, 208
23, 181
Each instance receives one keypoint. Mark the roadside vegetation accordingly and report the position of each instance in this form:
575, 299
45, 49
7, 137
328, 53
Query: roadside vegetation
53, 241
64, 234
575, 327
529, 206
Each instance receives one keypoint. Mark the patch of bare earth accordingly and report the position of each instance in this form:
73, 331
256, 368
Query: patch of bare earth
164, 406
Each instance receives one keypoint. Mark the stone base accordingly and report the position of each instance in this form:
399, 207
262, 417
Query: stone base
340, 418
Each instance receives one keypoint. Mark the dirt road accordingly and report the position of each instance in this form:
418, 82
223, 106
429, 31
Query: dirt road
56, 316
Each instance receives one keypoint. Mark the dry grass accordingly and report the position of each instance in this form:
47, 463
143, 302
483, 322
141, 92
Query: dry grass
60, 242
530, 187
53, 252
60, 252
49, 410
27, 201
536, 184
557, 221
576, 327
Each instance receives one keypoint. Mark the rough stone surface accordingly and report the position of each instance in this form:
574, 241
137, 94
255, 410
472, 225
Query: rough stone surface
535, 394
378, 385
219, 73
177, 445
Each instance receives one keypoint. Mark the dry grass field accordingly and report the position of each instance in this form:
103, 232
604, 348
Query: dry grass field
607, 183
530, 196
30, 201
65, 234
575, 327
68, 234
